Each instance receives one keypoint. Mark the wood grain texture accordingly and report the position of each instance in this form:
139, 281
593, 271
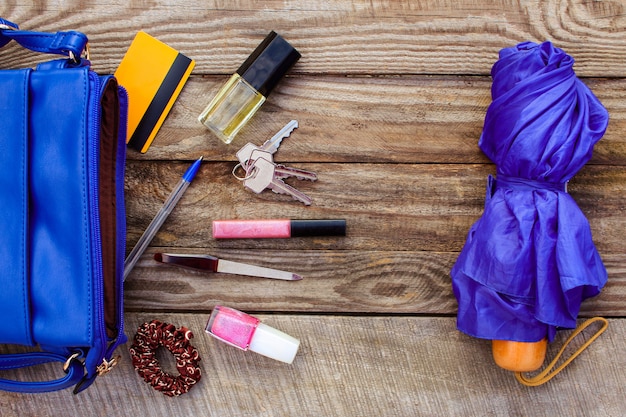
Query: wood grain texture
401, 119
390, 97
387, 206
351, 366
342, 37
335, 281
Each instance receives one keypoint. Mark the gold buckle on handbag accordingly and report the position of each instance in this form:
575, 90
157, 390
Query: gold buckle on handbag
85, 53
106, 366
69, 360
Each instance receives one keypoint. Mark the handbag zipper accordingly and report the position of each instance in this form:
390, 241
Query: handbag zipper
121, 218
94, 160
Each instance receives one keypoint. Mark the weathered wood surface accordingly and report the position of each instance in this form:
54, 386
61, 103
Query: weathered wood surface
390, 98
344, 37
351, 366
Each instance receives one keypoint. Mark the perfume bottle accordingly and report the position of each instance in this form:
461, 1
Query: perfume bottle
248, 88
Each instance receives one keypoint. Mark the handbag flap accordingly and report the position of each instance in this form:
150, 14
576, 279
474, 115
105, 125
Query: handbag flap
14, 296
63, 253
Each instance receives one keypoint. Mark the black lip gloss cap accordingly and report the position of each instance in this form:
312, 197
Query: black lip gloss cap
269, 62
302, 228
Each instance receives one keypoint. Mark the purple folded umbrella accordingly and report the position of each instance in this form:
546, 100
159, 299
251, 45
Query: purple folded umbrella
530, 260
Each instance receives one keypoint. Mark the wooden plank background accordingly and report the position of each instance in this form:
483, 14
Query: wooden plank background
390, 97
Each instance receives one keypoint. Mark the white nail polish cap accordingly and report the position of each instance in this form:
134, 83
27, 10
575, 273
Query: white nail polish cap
274, 344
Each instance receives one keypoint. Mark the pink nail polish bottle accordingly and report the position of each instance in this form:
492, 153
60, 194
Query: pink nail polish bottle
246, 332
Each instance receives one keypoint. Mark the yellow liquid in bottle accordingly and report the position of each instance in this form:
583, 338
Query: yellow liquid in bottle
232, 107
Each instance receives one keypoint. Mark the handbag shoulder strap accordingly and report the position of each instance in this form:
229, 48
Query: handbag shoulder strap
69, 43
73, 369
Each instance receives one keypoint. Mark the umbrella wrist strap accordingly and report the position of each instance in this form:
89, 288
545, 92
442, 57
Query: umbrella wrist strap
550, 371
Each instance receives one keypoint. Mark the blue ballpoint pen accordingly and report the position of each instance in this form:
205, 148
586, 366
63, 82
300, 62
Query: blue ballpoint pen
158, 220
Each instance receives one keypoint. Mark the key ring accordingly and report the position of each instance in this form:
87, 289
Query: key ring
247, 177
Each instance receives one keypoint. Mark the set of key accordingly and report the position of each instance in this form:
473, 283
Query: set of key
262, 173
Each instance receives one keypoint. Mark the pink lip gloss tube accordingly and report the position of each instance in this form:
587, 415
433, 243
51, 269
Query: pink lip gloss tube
246, 332
279, 228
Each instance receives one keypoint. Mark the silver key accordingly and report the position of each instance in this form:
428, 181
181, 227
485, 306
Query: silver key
270, 145
243, 155
280, 171
262, 177
256, 154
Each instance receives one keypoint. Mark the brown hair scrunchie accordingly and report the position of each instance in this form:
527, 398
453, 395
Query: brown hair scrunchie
148, 339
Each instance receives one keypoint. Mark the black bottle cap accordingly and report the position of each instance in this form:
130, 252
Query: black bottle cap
268, 63
303, 228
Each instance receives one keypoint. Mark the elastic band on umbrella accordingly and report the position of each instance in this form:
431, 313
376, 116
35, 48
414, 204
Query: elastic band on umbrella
526, 184
550, 372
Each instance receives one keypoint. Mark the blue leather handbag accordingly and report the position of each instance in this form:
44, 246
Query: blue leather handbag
62, 223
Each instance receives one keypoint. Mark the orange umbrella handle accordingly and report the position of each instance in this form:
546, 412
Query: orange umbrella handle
519, 356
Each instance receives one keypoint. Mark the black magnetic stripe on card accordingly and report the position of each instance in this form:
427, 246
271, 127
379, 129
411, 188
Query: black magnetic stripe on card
159, 102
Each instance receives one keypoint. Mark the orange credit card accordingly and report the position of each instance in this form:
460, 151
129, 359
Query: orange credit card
153, 74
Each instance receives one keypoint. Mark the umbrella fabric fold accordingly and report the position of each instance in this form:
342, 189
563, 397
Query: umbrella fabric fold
530, 261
